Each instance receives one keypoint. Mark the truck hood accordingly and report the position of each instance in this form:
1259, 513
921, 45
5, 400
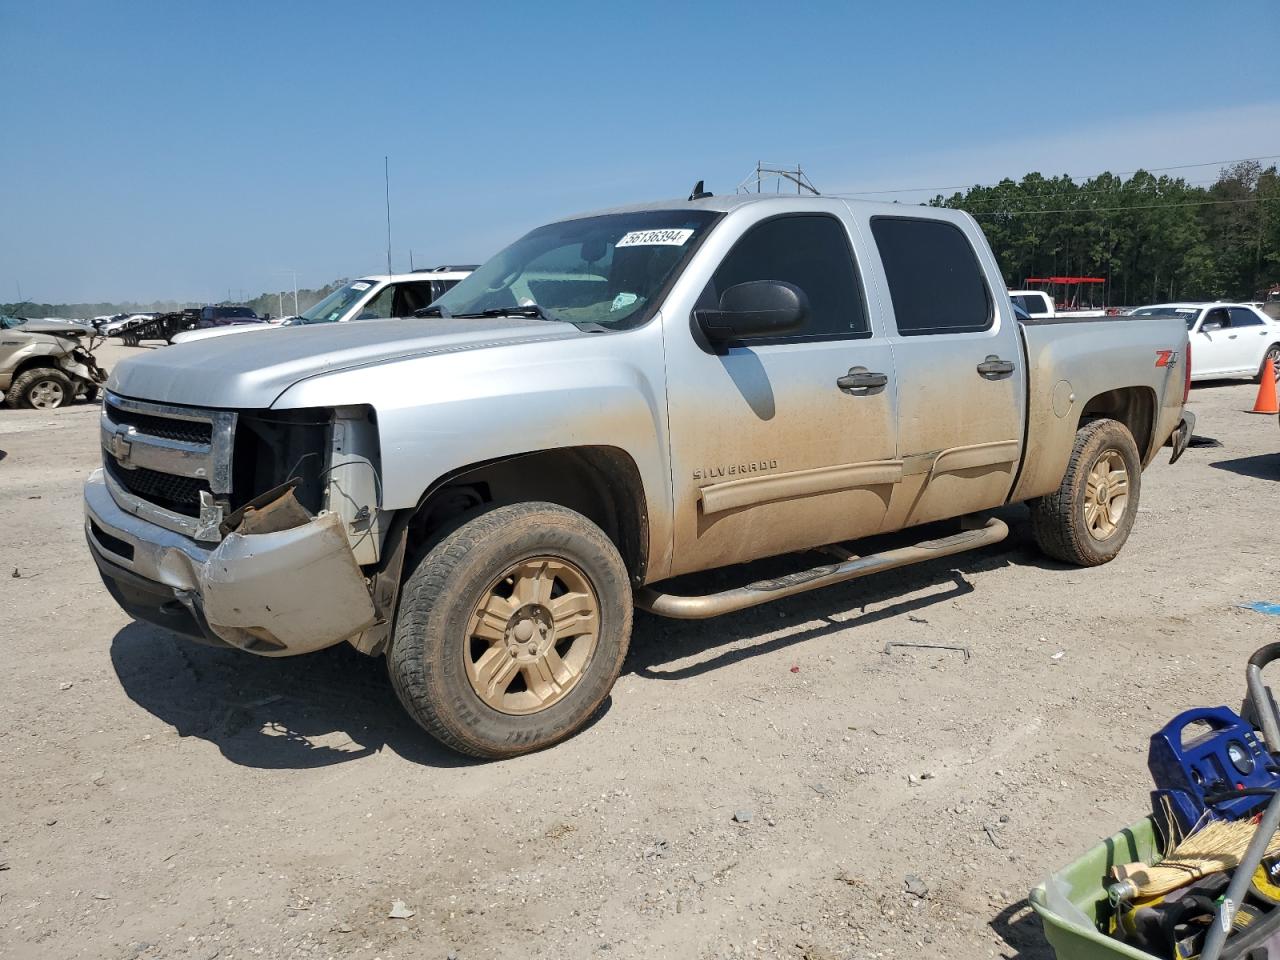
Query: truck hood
61, 328
251, 372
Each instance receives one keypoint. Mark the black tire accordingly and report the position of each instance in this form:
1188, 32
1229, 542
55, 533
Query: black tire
28, 387
1272, 354
1059, 520
92, 393
130, 339
429, 652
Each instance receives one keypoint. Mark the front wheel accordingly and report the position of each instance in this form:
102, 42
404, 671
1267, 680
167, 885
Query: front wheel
43, 388
512, 630
1088, 518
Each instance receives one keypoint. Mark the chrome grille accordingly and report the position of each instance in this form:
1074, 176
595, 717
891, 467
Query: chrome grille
169, 465
188, 431
179, 494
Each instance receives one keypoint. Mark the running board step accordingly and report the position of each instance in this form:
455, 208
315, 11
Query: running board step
762, 591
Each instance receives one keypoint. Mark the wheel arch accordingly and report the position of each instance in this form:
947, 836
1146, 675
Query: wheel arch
1135, 407
602, 483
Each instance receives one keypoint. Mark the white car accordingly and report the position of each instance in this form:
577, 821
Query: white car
120, 324
1228, 340
369, 298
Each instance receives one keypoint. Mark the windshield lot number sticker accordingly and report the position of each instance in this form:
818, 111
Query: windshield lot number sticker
655, 238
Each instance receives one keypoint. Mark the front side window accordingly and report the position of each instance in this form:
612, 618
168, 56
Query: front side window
380, 307
813, 253
1216, 318
609, 271
935, 281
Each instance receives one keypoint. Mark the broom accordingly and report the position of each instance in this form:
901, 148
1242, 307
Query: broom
1217, 847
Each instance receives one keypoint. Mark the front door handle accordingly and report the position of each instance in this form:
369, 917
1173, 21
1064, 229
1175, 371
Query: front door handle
993, 368
1232, 336
860, 378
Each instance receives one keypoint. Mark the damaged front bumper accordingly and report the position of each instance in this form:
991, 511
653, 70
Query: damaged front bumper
271, 591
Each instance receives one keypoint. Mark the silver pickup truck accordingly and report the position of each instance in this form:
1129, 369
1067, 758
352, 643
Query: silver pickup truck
482, 494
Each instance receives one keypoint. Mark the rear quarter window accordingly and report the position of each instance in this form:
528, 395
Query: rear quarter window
935, 281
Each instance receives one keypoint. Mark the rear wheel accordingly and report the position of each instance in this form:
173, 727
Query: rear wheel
130, 339
512, 630
1273, 354
43, 388
1088, 518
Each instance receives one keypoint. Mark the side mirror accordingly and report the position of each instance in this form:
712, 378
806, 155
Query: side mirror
758, 308
1210, 325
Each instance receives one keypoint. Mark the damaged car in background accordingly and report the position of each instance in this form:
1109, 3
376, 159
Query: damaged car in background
44, 364
613, 401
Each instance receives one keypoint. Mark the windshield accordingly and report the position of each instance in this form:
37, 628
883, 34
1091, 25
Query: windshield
607, 271
1188, 314
8, 323
335, 306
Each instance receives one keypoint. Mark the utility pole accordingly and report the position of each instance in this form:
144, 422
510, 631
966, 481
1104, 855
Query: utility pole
295, 290
386, 174
280, 301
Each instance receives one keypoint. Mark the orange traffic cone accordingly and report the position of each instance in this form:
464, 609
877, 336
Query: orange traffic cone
1266, 402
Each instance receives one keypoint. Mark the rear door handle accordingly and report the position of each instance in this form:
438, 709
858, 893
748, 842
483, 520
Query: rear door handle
1232, 336
993, 368
860, 378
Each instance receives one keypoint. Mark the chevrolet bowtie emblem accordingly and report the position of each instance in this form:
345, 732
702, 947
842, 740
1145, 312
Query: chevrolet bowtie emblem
120, 448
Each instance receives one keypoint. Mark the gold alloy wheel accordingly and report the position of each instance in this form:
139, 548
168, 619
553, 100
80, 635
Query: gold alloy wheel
46, 395
1106, 495
532, 635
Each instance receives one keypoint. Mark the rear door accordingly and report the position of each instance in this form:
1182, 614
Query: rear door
1253, 334
769, 452
960, 377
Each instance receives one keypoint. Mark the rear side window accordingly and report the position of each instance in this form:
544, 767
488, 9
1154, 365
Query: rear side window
935, 281
1240, 317
812, 252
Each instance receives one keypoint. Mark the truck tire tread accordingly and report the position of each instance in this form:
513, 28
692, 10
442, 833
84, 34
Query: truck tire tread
1057, 519
418, 659
17, 395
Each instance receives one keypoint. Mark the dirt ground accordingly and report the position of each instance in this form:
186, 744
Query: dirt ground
162, 799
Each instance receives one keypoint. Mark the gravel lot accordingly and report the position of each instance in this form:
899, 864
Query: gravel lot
162, 799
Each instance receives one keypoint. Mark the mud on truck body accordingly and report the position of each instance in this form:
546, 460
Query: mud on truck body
481, 495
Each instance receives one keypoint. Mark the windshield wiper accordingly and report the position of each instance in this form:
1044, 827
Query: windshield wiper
531, 310
435, 310
534, 312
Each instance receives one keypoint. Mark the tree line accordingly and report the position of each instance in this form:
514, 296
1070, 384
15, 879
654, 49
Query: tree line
1153, 238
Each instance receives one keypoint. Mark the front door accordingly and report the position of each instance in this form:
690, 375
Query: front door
958, 356
1214, 348
769, 452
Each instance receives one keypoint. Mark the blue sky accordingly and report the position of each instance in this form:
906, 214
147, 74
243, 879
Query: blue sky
158, 150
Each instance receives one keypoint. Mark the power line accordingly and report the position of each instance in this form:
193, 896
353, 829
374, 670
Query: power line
1139, 206
1124, 173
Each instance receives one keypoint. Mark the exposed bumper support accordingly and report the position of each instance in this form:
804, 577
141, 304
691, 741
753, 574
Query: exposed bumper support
275, 594
1182, 435
728, 601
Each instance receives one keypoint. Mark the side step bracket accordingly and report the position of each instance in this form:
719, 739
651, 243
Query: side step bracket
762, 591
